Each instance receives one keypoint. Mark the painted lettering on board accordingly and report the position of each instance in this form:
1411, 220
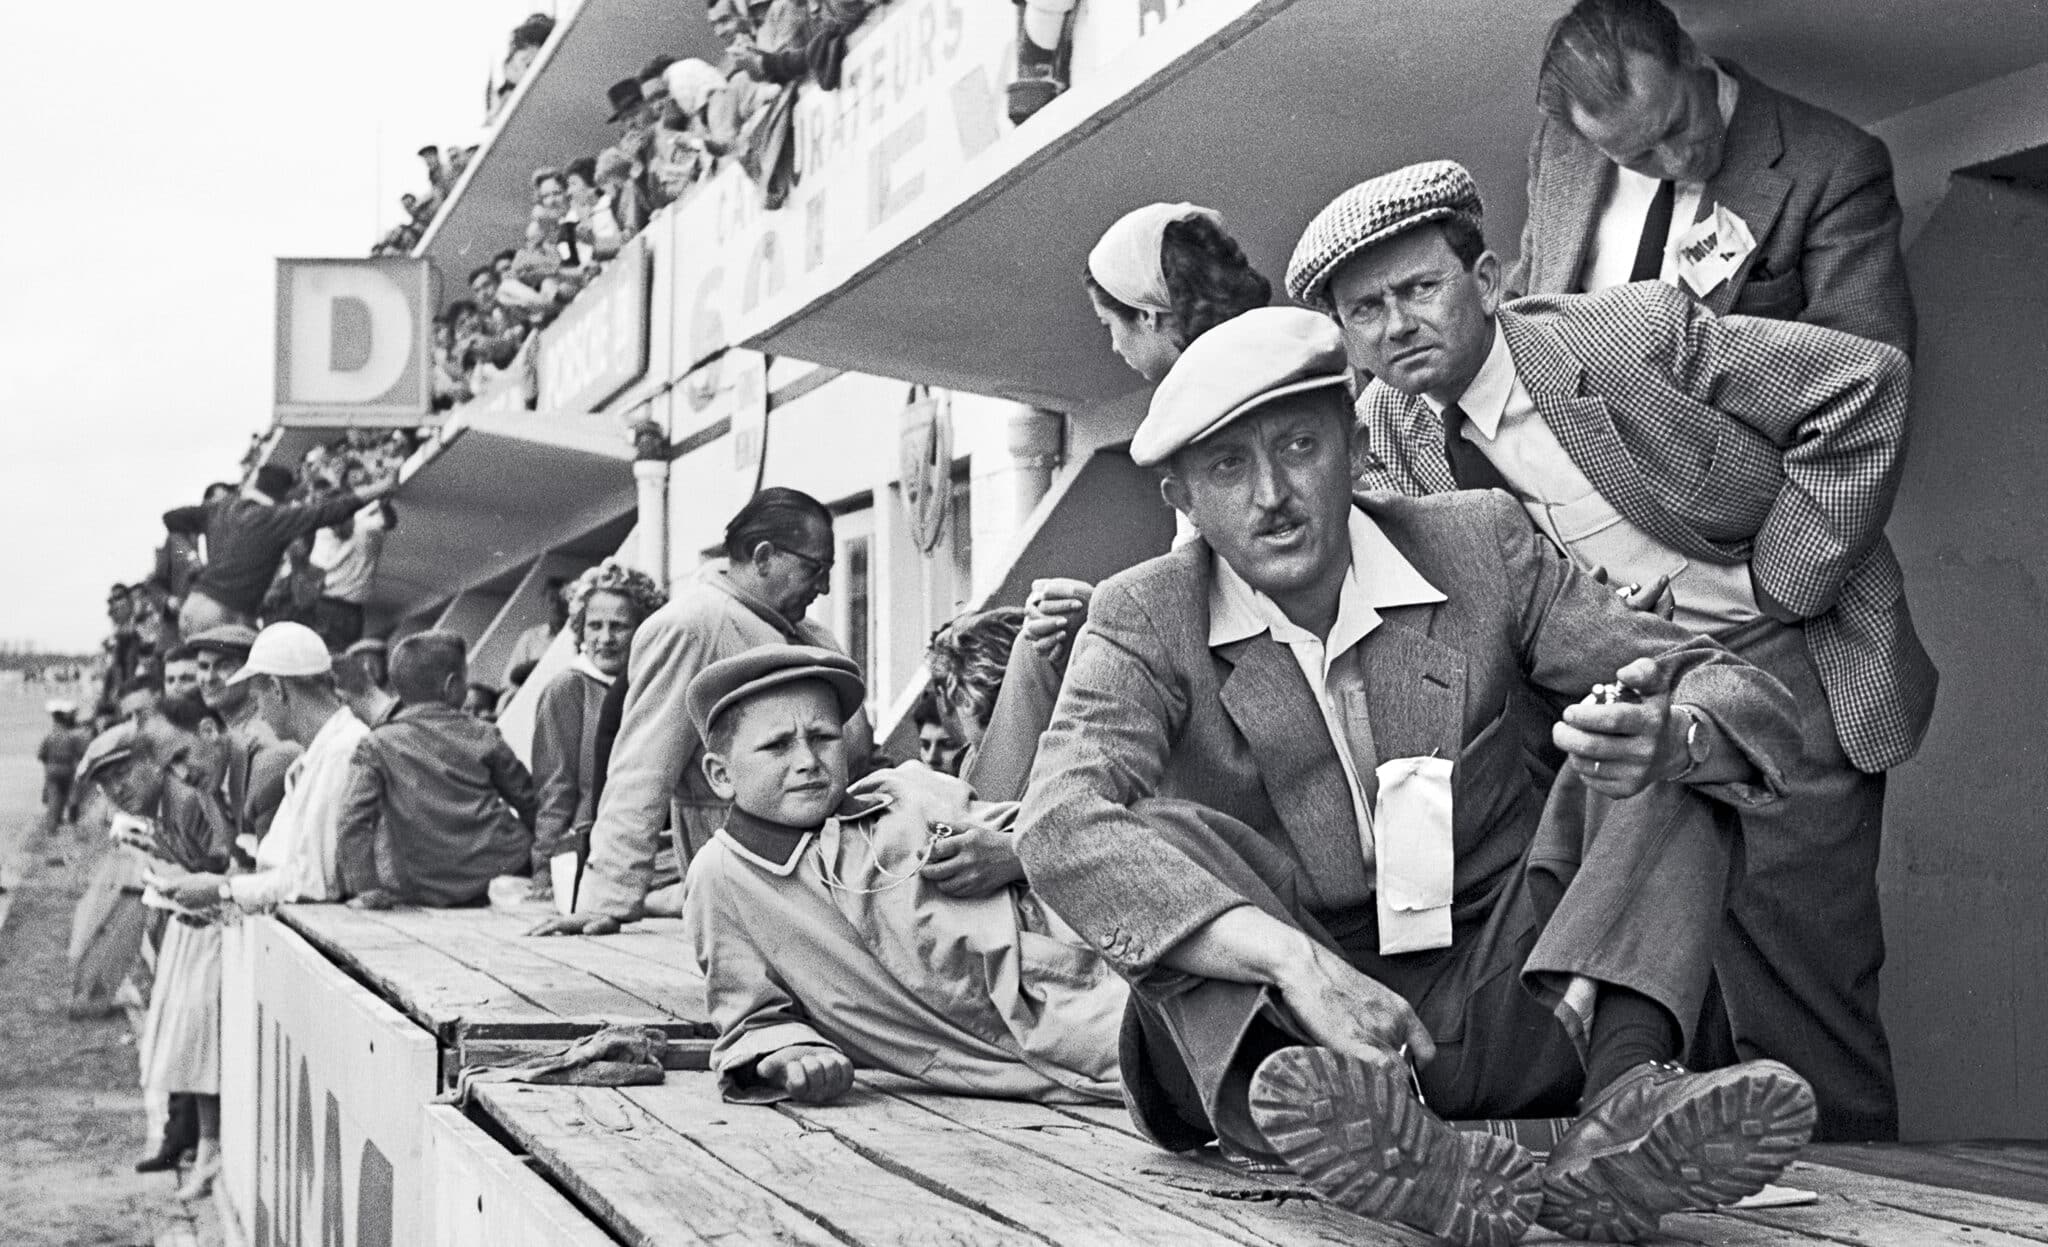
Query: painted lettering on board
302, 1165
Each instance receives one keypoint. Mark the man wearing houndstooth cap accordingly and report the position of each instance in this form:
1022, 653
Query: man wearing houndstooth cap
1733, 473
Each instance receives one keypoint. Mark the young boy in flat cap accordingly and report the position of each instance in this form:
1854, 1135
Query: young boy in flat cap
823, 947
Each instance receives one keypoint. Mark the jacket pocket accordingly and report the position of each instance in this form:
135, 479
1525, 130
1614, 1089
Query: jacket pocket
1779, 297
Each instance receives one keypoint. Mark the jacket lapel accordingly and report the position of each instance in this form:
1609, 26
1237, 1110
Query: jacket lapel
1585, 427
1267, 698
1748, 183
1423, 444
1414, 689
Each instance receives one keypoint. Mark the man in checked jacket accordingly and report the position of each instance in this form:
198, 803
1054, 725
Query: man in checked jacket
1738, 471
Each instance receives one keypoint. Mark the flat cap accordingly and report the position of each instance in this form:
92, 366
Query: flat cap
730, 681
230, 638
368, 645
111, 746
1237, 367
1372, 212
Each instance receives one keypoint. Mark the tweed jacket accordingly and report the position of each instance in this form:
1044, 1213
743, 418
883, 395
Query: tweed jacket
1149, 709
1814, 189
1730, 440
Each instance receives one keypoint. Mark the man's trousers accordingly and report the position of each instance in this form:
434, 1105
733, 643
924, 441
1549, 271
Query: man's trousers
1622, 892
1799, 956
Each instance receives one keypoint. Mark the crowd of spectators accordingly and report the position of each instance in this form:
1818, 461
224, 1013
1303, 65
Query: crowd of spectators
677, 122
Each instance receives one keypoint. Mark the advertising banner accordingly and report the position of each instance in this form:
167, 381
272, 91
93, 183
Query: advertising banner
921, 96
354, 341
598, 346
325, 1152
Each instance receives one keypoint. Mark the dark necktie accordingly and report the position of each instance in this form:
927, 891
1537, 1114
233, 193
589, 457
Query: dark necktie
1470, 467
1656, 228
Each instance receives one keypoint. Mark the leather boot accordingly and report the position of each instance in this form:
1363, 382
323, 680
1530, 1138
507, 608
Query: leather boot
1356, 1133
1660, 1139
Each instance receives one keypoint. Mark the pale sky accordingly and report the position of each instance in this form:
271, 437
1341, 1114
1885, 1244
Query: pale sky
159, 158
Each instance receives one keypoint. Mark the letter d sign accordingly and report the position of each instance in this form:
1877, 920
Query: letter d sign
353, 341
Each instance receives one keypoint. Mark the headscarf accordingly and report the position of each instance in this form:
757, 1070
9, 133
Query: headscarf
1125, 262
691, 83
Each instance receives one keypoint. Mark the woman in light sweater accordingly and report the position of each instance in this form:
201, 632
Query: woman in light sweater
606, 604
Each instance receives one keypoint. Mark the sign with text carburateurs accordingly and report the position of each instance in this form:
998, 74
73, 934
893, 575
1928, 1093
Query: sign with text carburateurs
341, 1078
598, 346
354, 341
921, 96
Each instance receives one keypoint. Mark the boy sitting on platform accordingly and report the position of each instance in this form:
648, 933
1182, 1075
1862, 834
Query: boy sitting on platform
437, 804
824, 947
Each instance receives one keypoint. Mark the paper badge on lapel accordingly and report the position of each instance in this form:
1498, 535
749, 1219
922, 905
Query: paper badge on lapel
1712, 250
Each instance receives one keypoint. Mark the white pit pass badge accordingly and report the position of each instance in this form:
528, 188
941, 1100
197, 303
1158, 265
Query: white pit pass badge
1414, 854
1711, 251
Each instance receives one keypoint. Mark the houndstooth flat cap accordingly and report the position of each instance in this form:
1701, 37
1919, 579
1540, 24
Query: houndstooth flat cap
1372, 212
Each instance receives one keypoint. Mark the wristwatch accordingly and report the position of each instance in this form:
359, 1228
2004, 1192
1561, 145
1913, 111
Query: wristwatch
1696, 745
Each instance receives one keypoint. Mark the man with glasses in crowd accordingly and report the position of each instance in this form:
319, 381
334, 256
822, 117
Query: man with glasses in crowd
778, 561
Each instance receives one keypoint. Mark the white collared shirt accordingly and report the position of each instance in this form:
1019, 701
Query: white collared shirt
298, 859
1502, 421
1618, 229
1379, 575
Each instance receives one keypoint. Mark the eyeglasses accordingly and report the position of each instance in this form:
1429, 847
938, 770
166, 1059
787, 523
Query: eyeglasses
820, 569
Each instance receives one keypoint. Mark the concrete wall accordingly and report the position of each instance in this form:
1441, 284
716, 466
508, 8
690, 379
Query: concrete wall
1965, 875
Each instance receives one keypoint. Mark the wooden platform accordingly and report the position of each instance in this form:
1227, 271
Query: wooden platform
674, 1164
490, 993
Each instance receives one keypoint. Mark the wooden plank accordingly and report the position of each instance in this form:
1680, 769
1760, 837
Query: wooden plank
2029, 1160
847, 1193
1256, 1208
1844, 1219
2024, 1218
678, 990
649, 1187
1058, 1203
560, 991
480, 1195
426, 983
1922, 1163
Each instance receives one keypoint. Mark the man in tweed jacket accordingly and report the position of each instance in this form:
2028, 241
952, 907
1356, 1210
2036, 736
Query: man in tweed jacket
1742, 469
1285, 791
1813, 189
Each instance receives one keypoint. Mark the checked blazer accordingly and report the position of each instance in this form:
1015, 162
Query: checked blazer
1814, 189
1730, 440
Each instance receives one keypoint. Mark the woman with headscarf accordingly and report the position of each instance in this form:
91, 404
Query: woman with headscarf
606, 604
1164, 275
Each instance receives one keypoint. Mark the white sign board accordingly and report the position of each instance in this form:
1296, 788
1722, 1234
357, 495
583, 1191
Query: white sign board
354, 341
922, 96
480, 1195
340, 1080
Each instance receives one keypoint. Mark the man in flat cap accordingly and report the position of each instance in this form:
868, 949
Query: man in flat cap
1285, 791
253, 781
1740, 468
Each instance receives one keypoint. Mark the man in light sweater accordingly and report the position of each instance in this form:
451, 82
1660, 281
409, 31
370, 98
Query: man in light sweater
779, 559
298, 860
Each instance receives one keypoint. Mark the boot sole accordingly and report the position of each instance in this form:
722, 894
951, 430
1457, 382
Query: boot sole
1360, 1139
1717, 1146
